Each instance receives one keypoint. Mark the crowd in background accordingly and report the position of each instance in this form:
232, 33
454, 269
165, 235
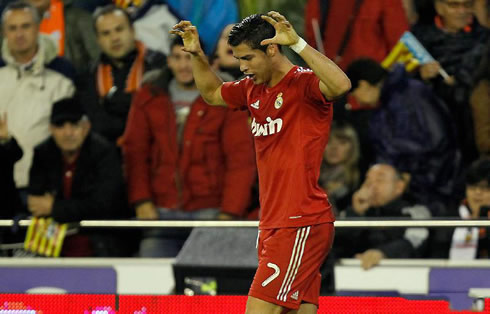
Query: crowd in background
100, 118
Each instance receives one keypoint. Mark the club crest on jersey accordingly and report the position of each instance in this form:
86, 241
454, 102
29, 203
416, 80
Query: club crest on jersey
278, 102
269, 128
255, 104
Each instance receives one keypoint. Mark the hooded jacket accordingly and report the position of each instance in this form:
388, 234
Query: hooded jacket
28, 93
413, 131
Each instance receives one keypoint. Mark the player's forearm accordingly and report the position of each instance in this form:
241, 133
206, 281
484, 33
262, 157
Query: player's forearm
206, 80
333, 78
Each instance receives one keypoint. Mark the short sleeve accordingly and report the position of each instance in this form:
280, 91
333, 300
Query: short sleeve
312, 89
235, 93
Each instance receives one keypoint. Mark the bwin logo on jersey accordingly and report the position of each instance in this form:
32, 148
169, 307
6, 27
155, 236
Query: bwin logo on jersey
272, 127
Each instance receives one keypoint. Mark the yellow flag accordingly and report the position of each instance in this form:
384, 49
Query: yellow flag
45, 237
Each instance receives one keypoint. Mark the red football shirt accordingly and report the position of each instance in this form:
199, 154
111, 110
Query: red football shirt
290, 123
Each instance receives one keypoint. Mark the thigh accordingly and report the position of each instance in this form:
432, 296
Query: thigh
289, 263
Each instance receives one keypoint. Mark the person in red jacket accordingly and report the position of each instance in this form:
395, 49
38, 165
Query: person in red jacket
350, 29
184, 159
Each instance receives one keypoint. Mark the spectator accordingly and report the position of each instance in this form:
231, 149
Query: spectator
152, 20
107, 90
185, 159
457, 42
32, 77
339, 172
350, 29
382, 195
409, 127
480, 105
471, 243
71, 28
76, 175
10, 153
224, 61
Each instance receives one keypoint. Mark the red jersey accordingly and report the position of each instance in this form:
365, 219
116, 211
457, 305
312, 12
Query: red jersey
291, 124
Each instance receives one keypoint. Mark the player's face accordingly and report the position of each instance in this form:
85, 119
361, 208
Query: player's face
253, 62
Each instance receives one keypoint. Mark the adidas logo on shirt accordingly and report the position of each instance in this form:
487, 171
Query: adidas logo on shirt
272, 127
255, 104
295, 296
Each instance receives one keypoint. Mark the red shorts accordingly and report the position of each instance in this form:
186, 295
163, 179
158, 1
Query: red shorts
289, 264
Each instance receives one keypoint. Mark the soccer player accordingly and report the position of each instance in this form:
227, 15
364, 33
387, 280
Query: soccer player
291, 113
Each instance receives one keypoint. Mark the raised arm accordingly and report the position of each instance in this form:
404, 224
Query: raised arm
208, 83
333, 81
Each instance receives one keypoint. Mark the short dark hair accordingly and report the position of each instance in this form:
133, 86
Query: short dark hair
109, 9
365, 69
176, 41
478, 171
251, 31
21, 5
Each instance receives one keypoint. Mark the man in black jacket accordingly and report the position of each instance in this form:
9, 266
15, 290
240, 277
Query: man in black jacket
382, 196
458, 44
107, 91
75, 175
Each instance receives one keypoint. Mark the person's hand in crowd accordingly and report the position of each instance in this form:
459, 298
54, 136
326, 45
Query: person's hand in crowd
40, 205
285, 33
370, 258
146, 210
361, 200
4, 133
429, 70
189, 35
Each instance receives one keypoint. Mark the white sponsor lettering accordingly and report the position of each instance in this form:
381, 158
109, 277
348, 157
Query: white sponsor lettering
271, 127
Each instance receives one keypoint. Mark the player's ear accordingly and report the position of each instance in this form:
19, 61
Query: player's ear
271, 50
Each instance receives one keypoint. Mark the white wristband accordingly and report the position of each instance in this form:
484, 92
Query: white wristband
299, 46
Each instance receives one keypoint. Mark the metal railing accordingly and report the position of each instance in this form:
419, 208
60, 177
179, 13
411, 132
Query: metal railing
248, 224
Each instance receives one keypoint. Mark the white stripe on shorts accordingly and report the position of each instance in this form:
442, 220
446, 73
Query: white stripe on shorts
294, 262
